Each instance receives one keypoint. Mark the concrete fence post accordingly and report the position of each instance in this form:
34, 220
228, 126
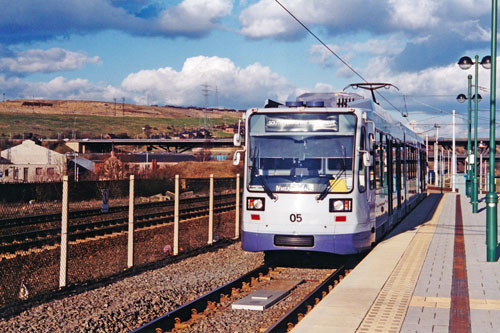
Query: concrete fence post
237, 217
211, 211
130, 256
176, 216
64, 235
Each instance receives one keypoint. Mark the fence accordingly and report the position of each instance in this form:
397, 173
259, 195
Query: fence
119, 225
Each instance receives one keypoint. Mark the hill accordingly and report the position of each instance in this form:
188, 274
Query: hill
58, 119
117, 109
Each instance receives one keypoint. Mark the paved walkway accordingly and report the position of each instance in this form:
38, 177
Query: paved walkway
430, 275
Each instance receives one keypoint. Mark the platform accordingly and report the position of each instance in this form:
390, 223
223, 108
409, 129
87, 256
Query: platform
429, 275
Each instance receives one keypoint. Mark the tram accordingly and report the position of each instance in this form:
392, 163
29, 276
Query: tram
329, 172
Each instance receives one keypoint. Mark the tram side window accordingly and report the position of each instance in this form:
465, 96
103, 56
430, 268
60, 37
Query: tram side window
373, 171
377, 151
362, 168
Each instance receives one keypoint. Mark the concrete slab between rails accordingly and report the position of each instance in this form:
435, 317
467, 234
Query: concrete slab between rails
261, 299
358, 298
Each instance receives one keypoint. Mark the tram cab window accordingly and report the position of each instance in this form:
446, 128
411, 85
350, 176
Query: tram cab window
301, 152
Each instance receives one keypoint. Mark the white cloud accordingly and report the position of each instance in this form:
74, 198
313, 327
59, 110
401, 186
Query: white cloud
414, 15
194, 16
46, 61
236, 86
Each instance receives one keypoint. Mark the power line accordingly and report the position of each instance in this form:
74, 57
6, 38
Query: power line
332, 52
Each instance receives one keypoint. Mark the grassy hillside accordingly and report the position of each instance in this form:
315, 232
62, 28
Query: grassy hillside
93, 119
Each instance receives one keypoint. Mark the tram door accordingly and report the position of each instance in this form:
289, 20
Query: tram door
370, 147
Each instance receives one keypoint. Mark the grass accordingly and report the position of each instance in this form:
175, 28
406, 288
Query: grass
52, 126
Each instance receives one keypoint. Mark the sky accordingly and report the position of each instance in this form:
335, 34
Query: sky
237, 54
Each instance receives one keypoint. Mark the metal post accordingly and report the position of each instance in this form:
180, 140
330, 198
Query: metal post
427, 157
237, 217
436, 158
481, 172
453, 157
476, 101
130, 251
491, 197
448, 167
469, 129
442, 166
64, 235
211, 212
176, 216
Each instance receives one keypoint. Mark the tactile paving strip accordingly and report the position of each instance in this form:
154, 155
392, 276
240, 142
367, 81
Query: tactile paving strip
388, 311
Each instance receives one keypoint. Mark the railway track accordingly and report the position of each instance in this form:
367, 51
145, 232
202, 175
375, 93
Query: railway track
213, 311
43, 218
196, 207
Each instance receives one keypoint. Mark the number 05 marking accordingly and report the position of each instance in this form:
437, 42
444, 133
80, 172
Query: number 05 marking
296, 218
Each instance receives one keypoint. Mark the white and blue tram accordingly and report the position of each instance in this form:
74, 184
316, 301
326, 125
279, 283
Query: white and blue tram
329, 172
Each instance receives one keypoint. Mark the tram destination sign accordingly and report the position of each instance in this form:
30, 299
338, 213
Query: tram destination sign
279, 124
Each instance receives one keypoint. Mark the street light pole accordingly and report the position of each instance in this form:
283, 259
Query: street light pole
476, 101
453, 157
469, 130
492, 197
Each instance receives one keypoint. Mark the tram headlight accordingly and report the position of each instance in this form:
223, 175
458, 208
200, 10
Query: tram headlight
340, 205
256, 204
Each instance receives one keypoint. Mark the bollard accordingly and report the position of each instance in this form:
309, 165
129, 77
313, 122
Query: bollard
176, 216
105, 200
130, 256
64, 235
211, 212
237, 217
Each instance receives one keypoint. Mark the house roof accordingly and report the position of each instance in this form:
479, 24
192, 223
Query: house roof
84, 163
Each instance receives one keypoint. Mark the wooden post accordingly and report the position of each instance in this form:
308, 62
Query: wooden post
211, 212
64, 235
130, 258
176, 216
237, 217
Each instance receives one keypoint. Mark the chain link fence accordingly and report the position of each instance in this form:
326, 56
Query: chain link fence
110, 226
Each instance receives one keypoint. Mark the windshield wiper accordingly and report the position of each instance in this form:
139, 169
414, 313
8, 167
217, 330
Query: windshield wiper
268, 191
262, 182
335, 179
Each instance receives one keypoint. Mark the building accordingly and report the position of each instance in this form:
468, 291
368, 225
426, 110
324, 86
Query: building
29, 162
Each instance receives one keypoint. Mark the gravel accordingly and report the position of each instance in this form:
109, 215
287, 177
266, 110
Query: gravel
134, 301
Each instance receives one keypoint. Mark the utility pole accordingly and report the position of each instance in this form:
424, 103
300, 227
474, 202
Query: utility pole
436, 157
114, 98
427, 158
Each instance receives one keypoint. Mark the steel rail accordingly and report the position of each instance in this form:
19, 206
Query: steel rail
292, 316
167, 321
55, 217
13, 243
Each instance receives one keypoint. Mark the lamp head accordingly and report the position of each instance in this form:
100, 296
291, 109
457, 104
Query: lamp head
461, 98
465, 63
479, 97
486, 62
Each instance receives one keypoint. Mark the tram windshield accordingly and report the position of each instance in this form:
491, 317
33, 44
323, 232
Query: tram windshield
301, 152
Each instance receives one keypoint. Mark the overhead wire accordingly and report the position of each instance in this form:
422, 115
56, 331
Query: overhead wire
332, 52
361, 76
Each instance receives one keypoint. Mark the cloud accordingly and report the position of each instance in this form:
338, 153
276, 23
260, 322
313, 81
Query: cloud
194, 17
34, 20
266, 19
46, 61
425, 33
240, 87
234, 86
